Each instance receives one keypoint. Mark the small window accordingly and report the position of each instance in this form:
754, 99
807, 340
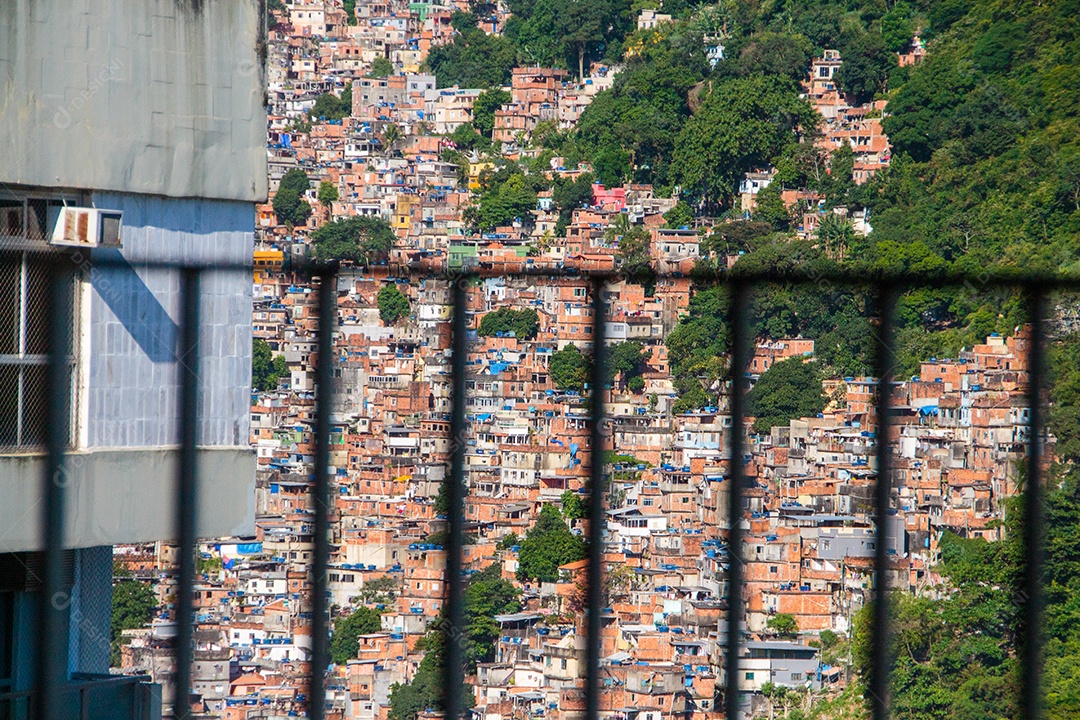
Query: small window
749, 676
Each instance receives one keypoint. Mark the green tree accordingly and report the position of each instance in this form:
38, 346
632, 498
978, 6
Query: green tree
380, 68
289, 208
769, 207
510, 201
547, 545
569, 195
507, 541
783, 625
569, 368
361, 239
523, 323
682, 215
573, 507
296, 179
789, 389
392, 303
474, 59
484, 108
266, 370
628, 358
741, 125
999, 46
329, 106
580, 25
391, 136
735, 237
328, 193
379, 590
634, 125
835, 234
289, 205
898, 27
344, 644
633, 249
486, 596
771, 53
133, 605
866, 66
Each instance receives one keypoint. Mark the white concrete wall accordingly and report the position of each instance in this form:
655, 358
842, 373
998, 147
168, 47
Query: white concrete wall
126, 496
133, 394
162, 97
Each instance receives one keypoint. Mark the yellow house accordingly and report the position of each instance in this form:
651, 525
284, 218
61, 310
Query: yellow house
402, 217
268, 260
474, 173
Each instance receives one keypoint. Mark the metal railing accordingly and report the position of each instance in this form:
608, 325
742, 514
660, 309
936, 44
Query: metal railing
740, 286
89, 697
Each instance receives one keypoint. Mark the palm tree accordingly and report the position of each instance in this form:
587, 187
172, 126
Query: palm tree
391, 135
835, 235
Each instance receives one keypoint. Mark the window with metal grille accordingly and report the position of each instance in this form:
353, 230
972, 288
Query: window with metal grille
26, 283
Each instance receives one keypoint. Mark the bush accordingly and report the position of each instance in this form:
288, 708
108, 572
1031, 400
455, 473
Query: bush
547, 545
266, 370
789, 389
523, 323
569, 369
393, 304
343, 643
362, 240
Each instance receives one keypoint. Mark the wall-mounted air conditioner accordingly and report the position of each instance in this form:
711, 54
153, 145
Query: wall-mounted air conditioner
87, 227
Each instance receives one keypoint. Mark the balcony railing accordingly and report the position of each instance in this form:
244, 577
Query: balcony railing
91, 697
56, 698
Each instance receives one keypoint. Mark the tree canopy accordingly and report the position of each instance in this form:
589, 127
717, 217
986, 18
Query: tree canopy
329, 106
344, 644
327, 193
474, 59
266, 369
133, 605
380, 68
361, 239
484, 108
524, 324
790, 388
289, 205
569, 368
742, 125
630, 359
392, 303
547, 545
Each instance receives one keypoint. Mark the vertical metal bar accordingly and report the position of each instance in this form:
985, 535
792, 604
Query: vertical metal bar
453, 671
1031, 649
23, 320
739, 327
595, 570
879, 638
186, 489
324, 373
52, 651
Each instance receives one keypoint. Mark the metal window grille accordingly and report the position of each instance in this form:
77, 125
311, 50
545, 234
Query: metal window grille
25, 281
885, 290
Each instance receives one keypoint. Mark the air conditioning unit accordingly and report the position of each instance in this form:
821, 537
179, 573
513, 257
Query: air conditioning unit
87, 227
